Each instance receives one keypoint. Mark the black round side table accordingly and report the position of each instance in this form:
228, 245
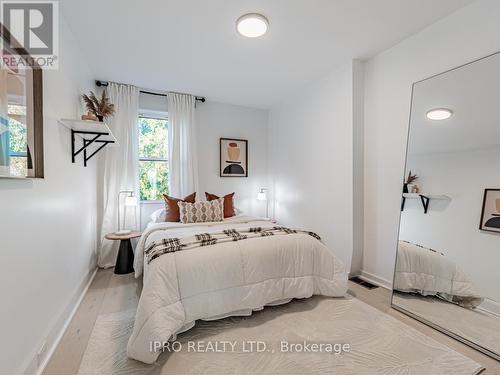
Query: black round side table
125, 259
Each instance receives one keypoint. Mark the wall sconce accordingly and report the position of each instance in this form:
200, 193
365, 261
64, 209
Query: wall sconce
130, 201
262, 196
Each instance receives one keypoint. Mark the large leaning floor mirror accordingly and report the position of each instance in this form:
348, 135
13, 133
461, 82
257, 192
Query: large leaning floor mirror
448, 258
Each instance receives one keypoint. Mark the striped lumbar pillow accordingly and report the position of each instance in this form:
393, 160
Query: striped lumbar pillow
201, 212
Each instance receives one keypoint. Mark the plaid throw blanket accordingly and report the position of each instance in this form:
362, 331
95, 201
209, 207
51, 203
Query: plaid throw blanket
170, 245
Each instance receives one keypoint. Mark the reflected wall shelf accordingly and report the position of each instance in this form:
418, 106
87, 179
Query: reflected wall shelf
424, 198
91, 132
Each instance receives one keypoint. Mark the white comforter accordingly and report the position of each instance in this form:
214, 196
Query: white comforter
423, 271
225, 279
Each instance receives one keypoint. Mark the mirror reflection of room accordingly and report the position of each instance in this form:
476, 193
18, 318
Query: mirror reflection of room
449, 242
15, 122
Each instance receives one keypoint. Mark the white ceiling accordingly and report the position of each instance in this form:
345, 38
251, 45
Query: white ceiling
192, 45
472, 92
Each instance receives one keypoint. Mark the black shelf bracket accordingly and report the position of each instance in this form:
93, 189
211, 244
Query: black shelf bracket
424, 199
86, 144
425, 202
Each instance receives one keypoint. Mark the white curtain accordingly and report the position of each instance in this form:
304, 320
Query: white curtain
119, 169
183, 164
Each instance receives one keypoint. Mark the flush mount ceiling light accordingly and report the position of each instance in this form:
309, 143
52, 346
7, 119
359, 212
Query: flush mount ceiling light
252, 25
439, 114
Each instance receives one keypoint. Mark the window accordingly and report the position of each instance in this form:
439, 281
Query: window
18, 153
153, 158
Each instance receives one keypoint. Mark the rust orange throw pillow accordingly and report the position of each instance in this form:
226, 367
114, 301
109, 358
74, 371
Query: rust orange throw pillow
171, 207
228, 203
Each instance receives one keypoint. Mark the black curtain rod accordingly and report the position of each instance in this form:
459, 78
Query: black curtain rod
105, 84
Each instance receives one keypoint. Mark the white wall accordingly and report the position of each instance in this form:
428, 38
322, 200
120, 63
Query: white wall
467, 34
216, 120
311, 159
452, 227
152, 103
213, 121
48, 229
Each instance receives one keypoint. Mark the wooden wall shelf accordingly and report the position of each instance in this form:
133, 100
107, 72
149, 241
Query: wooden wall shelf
91, 132
424, 198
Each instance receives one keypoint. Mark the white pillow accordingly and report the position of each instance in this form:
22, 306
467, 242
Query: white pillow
158, 216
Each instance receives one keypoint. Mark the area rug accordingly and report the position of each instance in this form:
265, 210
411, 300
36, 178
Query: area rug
280, 340
475, 325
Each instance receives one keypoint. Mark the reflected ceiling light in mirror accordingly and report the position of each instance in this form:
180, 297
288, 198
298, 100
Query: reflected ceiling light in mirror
252, 25
438, 114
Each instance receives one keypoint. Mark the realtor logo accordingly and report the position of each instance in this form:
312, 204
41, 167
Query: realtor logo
33, 27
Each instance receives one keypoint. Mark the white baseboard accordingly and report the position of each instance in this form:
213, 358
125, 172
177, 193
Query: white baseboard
490, 306
351, 274
59, 328
379, 281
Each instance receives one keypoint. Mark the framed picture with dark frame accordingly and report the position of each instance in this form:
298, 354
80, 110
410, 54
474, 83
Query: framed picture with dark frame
233, 157
490, 213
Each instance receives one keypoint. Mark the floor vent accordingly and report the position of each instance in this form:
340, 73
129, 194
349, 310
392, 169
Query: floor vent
364, 283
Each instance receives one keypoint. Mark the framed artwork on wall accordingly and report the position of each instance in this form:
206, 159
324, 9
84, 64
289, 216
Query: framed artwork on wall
490, 213
233, 157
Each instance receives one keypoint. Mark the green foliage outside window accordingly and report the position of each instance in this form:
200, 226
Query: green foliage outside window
18, 141
153, 154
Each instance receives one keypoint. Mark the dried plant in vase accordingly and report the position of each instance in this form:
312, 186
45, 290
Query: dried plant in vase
101, 108
409, 180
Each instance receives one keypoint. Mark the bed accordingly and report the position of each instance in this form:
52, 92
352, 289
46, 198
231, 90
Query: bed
429, 273
224, 279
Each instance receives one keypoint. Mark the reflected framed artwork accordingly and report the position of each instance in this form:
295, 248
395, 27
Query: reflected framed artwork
233, 157
490, 213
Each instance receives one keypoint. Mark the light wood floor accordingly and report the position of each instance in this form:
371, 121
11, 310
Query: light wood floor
112, 293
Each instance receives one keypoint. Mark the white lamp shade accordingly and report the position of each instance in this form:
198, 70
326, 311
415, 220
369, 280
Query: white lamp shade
262, 196
130, 201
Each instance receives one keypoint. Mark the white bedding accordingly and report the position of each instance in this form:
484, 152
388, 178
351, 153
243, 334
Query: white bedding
423, 271
224, 279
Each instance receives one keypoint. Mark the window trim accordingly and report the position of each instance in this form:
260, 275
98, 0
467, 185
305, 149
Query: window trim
156, 115
152, 202
153, 115
152, 159
16, 154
